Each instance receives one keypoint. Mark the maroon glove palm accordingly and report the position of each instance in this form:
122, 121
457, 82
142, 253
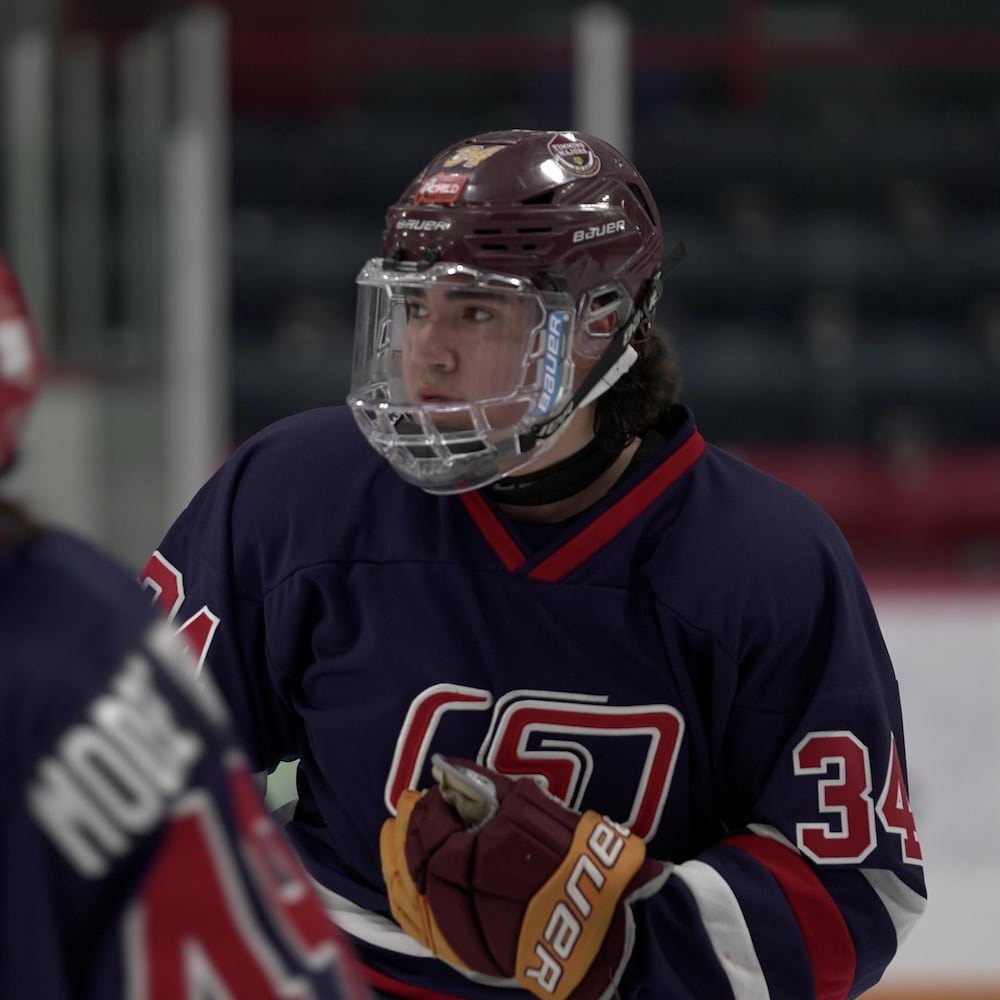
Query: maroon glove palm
537, 893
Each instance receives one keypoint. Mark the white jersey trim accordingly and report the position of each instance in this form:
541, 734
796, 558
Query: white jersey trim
380, 931
367, 926
773, 833
903, 905
726, 928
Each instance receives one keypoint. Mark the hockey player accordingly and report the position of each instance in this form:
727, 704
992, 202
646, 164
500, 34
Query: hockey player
643, 682
136, 858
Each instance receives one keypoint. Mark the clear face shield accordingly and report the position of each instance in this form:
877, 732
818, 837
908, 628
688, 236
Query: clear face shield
453, 367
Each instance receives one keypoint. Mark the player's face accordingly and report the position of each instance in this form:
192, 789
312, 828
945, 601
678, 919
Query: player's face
463, 345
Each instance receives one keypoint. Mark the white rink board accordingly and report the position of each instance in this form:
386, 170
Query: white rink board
945, 645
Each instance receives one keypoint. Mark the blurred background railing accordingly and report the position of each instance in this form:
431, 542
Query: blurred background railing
189, 190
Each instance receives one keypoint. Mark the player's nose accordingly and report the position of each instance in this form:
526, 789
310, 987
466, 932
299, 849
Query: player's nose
433, 342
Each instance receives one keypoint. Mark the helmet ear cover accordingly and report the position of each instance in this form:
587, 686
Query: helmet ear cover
616, 359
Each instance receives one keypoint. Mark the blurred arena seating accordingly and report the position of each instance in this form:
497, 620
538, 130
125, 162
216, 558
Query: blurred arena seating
831, 166
838, 318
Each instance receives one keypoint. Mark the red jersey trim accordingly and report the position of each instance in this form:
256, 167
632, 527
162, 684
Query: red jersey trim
595, 535
827, 938
618, 517
493, 531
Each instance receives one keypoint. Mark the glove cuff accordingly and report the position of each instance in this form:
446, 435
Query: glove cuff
409, 906
567, 920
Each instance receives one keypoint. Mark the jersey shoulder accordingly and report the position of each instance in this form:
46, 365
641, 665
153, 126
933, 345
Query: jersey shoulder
61, 594
726, 506
295, 469
757, 505
70, 615
302, 491
744, 544
318, 446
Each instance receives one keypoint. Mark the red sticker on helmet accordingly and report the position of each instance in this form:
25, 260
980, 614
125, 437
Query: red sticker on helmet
440, 189
574, 155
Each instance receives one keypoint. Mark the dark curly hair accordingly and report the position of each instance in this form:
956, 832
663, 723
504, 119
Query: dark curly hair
643, 394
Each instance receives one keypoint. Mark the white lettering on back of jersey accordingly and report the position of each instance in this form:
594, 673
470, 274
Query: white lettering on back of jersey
111, 778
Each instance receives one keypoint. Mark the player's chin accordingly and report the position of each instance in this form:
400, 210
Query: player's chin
453, 416
447, 421
506, 415
448, 413
494, 417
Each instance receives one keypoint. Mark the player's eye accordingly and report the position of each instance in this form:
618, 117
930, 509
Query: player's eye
416, 309
479, 314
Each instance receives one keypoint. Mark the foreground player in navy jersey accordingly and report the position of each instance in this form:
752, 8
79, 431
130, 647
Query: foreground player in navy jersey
584, 707
136, 858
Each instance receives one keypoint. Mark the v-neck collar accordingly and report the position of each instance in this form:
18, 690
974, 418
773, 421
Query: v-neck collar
591, 534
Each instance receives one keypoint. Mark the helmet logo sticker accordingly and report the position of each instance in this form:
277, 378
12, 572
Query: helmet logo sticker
574, 155
440, 189
471, 156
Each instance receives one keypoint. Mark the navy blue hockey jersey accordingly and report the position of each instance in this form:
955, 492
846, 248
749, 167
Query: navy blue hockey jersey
695, 656
136, 857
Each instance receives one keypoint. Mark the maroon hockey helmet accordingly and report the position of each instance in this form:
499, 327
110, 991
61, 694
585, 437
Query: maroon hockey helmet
22, 364
540, 205
565, 228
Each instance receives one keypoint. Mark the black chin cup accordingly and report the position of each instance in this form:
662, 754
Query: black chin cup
563, 479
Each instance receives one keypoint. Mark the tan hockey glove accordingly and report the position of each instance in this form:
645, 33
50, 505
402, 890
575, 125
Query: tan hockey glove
408, 904
532, 891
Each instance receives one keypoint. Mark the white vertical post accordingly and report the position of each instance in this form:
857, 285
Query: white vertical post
143, 89
602, 74
197, 277
29, 197
61, 475
82, 250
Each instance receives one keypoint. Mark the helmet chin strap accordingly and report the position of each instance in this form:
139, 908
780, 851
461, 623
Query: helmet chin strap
628, 358
571, 475
616, 360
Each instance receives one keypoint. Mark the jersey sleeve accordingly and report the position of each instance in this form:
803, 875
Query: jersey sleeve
138, 858
818, 875
209, 580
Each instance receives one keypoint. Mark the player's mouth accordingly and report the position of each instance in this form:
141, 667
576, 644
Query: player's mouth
431, 395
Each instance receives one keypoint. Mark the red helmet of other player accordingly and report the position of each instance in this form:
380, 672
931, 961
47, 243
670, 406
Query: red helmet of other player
22, 364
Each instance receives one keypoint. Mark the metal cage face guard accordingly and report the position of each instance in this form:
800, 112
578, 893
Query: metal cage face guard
454, 367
